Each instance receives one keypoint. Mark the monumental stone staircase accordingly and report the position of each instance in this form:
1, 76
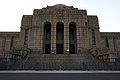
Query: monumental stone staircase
84, 56
28, 59
34, 56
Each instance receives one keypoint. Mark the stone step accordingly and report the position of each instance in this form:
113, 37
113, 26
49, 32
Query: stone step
58, 57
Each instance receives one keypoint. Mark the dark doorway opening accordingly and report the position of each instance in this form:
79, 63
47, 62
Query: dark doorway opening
59, 48
47, 49
72, 48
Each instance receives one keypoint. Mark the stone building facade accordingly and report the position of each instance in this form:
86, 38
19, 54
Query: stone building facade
61, 33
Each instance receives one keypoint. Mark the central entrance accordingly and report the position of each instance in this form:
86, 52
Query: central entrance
59, 48
60, 38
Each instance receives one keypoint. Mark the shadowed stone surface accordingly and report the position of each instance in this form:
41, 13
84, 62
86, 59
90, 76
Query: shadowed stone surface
88, 40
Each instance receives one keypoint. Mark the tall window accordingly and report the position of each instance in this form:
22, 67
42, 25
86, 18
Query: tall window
47, 38
59, 48
60, 31
71, 34
26, 36
93, 37
11, 43
47, 31
72, 31
72, 37
47, 49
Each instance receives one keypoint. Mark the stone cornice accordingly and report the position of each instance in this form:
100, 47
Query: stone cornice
9, 34
115, 35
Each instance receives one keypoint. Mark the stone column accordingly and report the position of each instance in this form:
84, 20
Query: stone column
82, 37
53, 38
22, 36
41, 39
78, 37
66, 38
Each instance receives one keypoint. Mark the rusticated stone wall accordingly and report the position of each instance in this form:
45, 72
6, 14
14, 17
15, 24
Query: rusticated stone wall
34, 24
8, 41
55, 14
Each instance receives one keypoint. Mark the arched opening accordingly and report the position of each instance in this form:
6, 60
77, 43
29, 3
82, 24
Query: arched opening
60, 31
47, 30
60, 38
47, 38
72, 31
72, 37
